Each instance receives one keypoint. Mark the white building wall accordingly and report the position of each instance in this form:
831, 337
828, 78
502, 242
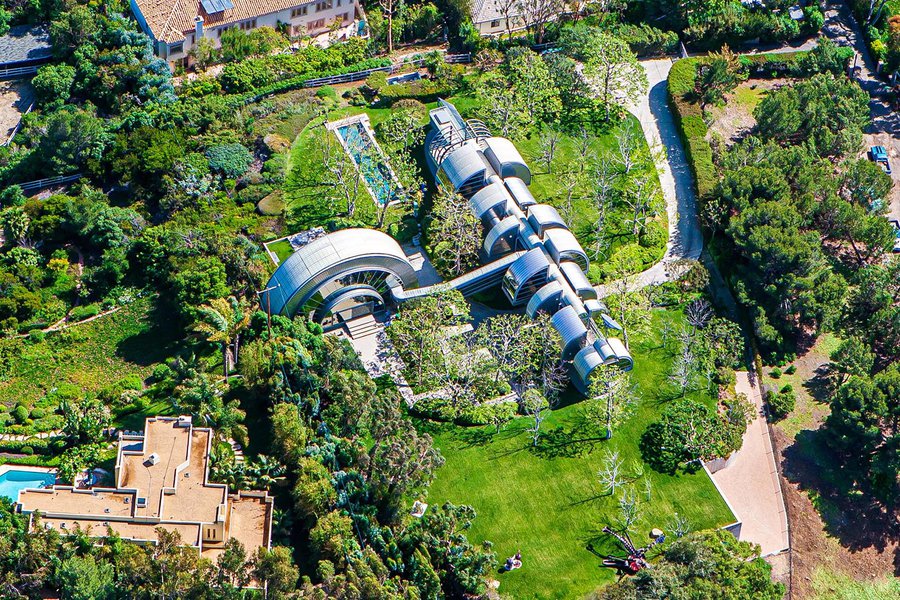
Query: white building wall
311, 18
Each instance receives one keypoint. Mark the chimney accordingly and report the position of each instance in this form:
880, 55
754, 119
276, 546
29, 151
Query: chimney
198, 27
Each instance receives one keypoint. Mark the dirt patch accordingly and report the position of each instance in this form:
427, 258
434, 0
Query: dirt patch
734, 120
15, 98
827, 531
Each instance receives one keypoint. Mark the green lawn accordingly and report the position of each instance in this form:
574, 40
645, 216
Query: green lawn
281, 248
546, 501
834, 585
305, 208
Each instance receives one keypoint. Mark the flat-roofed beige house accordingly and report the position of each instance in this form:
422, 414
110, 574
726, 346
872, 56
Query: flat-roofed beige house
161, 480
176, 25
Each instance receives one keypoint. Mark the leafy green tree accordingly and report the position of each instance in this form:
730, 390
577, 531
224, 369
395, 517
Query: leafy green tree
866, 183
276, 570
204, 53
84, 578
455, 234
610, 66
222, 320
72, 139
852, 357
73, 29
53, 85
197, 281
717, 76
84, 420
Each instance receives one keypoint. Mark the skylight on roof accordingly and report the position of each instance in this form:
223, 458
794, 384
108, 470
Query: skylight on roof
216, 6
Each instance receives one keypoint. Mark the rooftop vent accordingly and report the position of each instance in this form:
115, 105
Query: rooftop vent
142, 502
153, 459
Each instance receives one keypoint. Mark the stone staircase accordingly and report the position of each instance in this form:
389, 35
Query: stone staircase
362, 327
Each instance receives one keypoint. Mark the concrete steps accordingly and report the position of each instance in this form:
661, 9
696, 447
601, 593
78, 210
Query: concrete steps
362, 327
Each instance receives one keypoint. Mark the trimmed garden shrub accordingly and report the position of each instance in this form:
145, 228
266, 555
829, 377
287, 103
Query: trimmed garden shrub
781, 403
645, 40
80, 313
440, 409
20, 413
775, 373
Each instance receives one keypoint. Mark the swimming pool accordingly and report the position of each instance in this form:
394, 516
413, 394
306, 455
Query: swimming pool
14, 480
370, 161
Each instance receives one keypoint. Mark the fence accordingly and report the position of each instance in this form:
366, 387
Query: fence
40, 184
360, 75
16, 72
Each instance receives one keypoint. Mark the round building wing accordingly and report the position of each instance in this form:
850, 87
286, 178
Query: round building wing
464, 169
623, 356
505, 159
542, 217
562, 246
577, 279
525, 276
489, 199
571, 330
502, 237
584, 363
547, 300
518, 189
343, 259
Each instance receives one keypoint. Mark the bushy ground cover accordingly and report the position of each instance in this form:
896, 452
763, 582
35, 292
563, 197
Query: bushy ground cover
546, 501
119, 349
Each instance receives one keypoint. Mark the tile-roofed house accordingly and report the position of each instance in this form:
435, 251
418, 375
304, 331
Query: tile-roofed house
176, 25
161, 480
490, 16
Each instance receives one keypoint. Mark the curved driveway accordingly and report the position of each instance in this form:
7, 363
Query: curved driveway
658, 124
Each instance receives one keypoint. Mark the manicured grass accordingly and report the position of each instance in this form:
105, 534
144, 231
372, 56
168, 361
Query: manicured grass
91, 356
546, 502
281, 248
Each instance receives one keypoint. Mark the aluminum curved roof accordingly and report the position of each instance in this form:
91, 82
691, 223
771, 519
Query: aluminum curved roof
529, 265
571, 329
520, 192
491, 197
577, 279
507, 229
464, 164
562, 245
542, 217
505, 159
545, 300
346, 251
585, 361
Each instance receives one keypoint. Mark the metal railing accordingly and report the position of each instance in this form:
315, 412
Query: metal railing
40, 184
16, 72
390, 70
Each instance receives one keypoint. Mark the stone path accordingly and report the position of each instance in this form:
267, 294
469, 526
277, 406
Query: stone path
751, 484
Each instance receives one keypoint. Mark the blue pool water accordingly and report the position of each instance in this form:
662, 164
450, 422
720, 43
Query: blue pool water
13, 481
376, 173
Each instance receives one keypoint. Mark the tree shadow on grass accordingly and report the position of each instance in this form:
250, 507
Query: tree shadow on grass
850, 513
157, 343
821, 384
576, 439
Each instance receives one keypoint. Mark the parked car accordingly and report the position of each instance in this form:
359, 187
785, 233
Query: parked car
880, 156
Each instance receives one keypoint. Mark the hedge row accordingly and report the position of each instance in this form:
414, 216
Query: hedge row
296, 83
691, 127
440, 409
32, 446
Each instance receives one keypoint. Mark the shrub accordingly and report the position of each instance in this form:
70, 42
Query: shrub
787, 388
775, 373
692, 128
80, 313
36, 336
326, 91
232, 160
790, 370
20, 413
726, 376
27, 450
780, 404
645, 40
440, 409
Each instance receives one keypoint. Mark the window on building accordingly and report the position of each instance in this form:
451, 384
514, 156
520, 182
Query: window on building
299, 12
247, 25
495, 23
338, 2
176, 48
324, 5
317, 24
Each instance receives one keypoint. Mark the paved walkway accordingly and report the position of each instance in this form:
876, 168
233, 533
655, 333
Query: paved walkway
685, 237
751, 482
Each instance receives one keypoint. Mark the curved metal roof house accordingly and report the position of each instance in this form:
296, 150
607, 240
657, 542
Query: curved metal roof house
316, 278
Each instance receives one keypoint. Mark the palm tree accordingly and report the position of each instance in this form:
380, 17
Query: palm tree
264, 471
222, 320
